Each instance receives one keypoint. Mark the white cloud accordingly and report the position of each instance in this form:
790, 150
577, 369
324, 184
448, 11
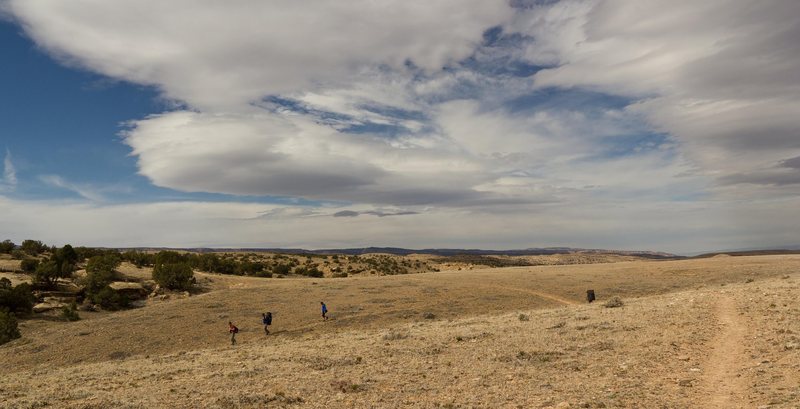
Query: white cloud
476, 158
275, 154
216, 55
9, 172
721, 76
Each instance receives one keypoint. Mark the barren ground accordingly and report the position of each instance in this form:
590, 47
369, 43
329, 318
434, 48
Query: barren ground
713, 333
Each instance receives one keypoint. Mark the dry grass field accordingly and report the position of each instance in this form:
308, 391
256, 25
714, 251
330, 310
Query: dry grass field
720, 332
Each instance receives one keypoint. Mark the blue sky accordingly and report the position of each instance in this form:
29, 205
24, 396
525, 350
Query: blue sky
544, 124
46, 105
66, 121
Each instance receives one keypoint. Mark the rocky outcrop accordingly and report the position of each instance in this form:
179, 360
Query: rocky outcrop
133, 291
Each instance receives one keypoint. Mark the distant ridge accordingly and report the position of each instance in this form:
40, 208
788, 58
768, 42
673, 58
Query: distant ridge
436, 252
766, 252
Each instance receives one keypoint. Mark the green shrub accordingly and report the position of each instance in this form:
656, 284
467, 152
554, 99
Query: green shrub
70, 312
29, 265
18, 254
110, 299
175, 276
97, 280
138, 258
9, 330
60, 265
48, 272
310, 271
105, 262
283, 269
171, 257
100, 272
614, 302
85, 253
33, 247
18, 299
7, 246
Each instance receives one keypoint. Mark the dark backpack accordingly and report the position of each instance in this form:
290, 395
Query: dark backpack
235, 329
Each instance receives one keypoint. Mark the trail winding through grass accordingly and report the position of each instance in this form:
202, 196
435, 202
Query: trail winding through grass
724, 382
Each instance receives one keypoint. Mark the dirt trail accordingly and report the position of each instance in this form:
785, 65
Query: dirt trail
724, 385
546, 296
551, 297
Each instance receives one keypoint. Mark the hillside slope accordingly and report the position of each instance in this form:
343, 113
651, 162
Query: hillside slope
700, 343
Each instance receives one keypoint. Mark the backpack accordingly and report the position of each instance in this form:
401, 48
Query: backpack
235, 329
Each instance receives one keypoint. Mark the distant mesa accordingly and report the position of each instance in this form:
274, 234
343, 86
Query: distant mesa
399, 251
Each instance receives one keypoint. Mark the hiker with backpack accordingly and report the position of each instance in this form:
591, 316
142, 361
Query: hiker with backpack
324, 311
233, 330
266, 319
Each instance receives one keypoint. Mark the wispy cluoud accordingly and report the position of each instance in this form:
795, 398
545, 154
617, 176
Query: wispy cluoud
9, 172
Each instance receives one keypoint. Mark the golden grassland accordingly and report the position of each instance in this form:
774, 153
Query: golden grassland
720, 332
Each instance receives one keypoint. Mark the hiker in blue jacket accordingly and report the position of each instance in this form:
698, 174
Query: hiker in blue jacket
266, 319
324, 311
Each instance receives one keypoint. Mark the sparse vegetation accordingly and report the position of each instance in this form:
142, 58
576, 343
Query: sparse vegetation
60, 265
614, 302
347, 386
489, 261
100, 272
177, 352
9, 329
7, 246
33, 247
394, 335
70, 312
18, 254
29, 265
311, 271
110, 299
17, 299
175, 276
138, 258
538, 356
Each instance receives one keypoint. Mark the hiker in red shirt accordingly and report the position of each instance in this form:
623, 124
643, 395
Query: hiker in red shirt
233, 330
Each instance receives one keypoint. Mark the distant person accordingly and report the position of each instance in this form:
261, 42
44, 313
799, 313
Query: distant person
324, 311
266, 319
233, 330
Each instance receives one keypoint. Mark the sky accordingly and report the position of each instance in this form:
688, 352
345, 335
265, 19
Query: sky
494, 124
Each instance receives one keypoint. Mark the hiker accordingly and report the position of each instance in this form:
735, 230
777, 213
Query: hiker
266, 319
233, 330
324, 311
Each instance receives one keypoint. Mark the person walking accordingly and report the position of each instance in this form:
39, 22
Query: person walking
233, 331
266, 319
324, 311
